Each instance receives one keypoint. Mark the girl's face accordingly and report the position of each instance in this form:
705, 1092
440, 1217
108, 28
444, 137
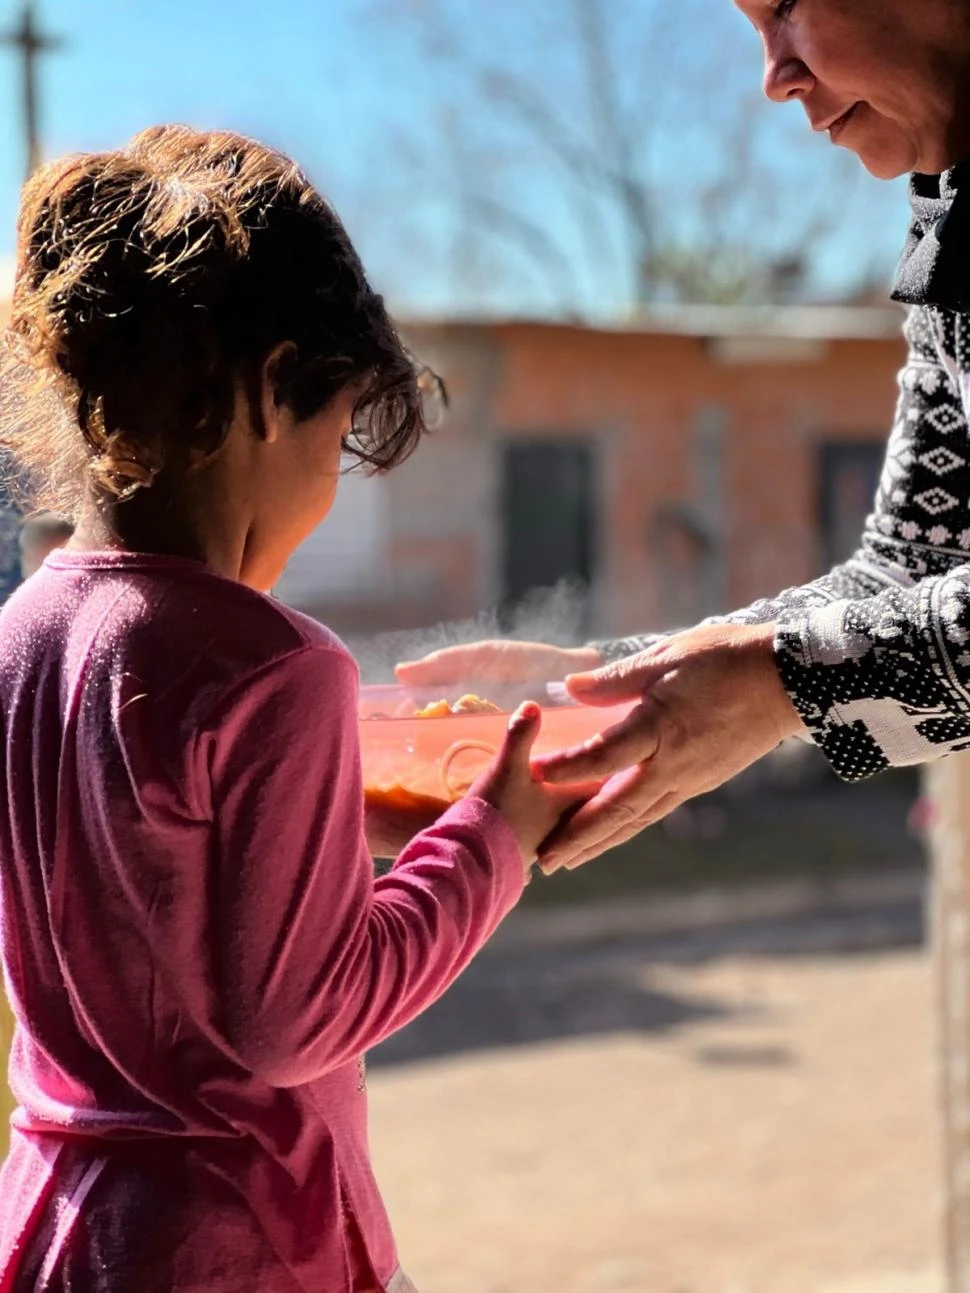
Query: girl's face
316, 446
888, 79
293, 474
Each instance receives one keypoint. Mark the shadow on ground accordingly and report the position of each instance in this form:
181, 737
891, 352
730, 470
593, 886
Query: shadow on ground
547, 994
516, 1002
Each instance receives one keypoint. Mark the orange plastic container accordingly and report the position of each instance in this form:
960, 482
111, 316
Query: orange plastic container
408, 760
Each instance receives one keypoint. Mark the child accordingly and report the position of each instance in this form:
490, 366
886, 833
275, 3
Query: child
40, 536
196, 951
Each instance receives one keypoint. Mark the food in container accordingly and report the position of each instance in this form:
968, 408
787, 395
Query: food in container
423, 750
467, 704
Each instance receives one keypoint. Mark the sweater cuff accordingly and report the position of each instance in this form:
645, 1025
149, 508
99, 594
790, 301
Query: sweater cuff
817, 669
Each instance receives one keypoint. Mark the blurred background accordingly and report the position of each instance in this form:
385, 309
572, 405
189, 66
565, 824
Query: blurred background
702, 1064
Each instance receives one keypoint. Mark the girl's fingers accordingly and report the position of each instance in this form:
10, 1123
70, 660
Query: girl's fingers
520, 737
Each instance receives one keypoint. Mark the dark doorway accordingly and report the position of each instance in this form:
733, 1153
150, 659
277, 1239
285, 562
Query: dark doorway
849, 474
548, 506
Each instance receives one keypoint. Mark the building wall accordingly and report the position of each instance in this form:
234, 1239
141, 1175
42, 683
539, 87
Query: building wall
706, 457
780, 419
707, 466
645, 398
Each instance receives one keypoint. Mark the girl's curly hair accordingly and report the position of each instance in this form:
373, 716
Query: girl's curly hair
154, 280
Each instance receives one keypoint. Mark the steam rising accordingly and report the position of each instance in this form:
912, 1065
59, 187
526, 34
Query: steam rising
556, 615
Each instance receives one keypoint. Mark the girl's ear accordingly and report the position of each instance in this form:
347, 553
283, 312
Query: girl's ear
272, 384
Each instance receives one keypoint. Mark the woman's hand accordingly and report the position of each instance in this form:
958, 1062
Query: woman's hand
531, 806
496, 661
712, 703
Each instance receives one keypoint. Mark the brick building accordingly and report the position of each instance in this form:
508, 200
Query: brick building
686, 465
678, 467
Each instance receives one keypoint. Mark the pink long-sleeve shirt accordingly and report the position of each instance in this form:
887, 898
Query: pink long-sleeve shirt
194, 945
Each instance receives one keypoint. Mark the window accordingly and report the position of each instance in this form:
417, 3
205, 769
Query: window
548, 505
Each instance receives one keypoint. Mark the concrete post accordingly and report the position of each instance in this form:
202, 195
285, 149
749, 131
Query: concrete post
948, 784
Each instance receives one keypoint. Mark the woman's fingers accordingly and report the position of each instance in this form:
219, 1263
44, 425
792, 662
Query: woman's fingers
618, 811
712, 703
623, 680
573, 860
635, 739
495, 661
451, 665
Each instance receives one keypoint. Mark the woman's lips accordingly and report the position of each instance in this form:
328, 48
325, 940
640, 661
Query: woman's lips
840, 123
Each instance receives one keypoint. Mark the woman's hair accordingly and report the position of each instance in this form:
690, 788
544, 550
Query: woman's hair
152, 284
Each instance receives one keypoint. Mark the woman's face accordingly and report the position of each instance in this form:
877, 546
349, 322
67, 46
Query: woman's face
887, 79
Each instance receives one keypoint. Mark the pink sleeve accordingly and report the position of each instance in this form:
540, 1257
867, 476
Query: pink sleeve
316, 960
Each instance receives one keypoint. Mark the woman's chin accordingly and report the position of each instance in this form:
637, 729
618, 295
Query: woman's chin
886, 151
881, 166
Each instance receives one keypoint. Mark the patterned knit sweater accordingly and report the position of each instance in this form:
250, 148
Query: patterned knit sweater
876, 654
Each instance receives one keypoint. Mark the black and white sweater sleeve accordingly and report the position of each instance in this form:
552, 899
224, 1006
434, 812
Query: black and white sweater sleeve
876, 654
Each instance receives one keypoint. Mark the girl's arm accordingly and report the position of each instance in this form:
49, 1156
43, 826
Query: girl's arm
316, 960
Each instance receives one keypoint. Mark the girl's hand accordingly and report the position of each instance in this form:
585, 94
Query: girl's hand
530, 806
496, 661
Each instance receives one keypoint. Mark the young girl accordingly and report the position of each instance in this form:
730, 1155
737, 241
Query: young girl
194, 946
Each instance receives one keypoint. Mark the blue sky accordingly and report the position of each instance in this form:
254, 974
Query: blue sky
282, 71
382, 121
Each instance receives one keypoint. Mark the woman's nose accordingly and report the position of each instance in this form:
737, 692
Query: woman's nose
786, 76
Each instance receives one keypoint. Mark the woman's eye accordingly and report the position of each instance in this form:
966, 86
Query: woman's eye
784, 8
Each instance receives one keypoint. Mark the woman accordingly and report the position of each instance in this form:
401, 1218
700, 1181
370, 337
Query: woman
872, 661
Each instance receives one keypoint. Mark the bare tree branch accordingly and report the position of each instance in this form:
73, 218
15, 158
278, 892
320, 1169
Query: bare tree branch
655, 174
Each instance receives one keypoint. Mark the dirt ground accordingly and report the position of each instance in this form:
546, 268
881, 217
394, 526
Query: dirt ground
750, 1112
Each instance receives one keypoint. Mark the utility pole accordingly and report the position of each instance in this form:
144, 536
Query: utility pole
29, 41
